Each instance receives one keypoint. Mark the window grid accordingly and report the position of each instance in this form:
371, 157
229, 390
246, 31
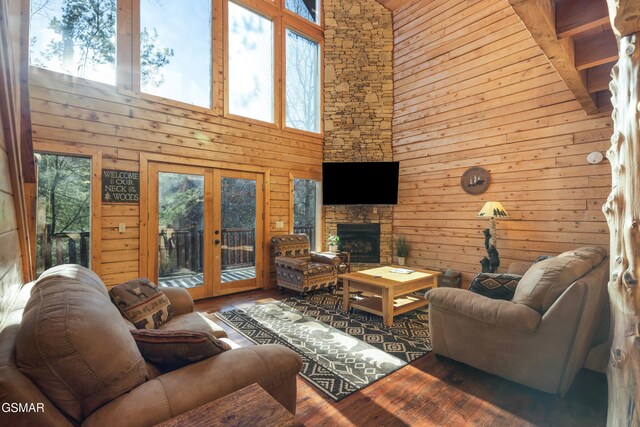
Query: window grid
128, 51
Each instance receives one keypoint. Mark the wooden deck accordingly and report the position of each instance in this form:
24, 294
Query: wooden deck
431, 392
196, 279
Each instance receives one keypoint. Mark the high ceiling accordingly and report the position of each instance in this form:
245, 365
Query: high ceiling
577, 38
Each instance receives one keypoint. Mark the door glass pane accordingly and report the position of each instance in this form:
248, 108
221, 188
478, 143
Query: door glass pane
250, 64
76, 37
180, 230
305, 209
63, 219
238, 229
175, 50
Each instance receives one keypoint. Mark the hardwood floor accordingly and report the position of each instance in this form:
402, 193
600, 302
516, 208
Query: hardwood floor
430, 391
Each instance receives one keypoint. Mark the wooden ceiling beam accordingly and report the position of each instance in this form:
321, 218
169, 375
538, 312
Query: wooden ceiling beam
540, 19
598, 78
392, 5
577, 16
595, 50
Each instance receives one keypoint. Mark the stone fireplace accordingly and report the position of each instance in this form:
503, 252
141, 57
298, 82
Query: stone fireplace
358, 107
362, 241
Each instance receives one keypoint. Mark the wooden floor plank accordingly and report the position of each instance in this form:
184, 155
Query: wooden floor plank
438, 392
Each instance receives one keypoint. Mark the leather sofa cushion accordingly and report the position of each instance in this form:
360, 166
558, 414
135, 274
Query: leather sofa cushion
196, 321
546, 280
170, 350
73, 344
142, 303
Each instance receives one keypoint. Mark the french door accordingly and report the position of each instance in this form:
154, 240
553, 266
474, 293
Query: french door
205, 229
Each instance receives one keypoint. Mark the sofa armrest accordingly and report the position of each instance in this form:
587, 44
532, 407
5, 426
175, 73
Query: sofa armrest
517, 317
180, 299
325, 258
300, 264
273, 367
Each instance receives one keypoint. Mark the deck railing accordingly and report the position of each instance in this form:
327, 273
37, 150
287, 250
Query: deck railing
309, 231
180, 250
71, 247
177, 249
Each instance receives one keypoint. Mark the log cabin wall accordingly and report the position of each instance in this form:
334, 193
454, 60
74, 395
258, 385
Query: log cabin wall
71, 115
14, 242
117, 126
472, 88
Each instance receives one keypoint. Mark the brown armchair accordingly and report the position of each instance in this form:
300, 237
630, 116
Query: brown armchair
299, 269
543, 336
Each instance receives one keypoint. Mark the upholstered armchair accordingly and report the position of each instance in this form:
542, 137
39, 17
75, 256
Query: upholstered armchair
539, 338
299, 269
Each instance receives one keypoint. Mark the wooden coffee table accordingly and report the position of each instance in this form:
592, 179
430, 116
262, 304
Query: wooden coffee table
390, 290
250, 406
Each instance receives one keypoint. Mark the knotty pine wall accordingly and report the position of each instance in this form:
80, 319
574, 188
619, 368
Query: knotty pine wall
472, 88
75, 115
13, 265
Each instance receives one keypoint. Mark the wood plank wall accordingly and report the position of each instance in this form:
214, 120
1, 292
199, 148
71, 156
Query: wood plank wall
12, 237
472, 88
75, 115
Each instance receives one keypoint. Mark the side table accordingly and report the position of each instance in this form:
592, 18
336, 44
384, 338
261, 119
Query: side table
250, 406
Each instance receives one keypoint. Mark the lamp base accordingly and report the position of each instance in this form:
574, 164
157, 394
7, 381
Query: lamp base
491, 262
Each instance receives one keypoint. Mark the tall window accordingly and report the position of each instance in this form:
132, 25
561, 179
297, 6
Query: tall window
306, 209
303, 83
76, 37
175, 50
63, 221
250, 64
308, 9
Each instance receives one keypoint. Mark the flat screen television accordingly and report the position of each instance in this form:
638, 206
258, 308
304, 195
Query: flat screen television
360, 183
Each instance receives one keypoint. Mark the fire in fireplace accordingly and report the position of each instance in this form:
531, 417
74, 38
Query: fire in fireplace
362, 241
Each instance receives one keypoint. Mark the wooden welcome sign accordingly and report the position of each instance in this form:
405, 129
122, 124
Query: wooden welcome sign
120, 186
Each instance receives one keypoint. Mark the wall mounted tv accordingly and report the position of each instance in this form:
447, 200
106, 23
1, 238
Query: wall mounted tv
360, 183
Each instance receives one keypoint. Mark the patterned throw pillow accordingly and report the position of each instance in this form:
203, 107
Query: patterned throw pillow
495, 286
142, 303
170, 350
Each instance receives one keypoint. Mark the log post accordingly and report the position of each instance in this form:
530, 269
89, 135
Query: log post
622, 211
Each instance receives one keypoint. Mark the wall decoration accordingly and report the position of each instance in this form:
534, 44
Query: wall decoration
120, 186
475, 180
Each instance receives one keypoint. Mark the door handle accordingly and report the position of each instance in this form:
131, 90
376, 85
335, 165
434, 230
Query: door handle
217, 241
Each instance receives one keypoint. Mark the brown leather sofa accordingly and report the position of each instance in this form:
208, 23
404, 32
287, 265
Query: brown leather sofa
542, 337
64, 345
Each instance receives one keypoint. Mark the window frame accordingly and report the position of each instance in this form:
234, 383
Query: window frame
128, 60
260, 7
320, 41
319, 211
95, 212
136, 26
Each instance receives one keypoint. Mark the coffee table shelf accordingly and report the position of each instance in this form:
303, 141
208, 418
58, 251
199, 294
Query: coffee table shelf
387, 286
401, 305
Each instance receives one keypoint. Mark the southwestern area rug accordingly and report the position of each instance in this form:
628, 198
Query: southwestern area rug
341, 353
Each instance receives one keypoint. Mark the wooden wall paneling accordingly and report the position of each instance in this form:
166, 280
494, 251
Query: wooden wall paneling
506, 110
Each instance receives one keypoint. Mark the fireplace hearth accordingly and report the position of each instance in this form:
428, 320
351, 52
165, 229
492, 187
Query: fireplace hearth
362, 241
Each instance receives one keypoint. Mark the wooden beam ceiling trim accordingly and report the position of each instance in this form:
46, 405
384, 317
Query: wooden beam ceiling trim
575, 17
393, 5
598, 78
539, 16
596, 50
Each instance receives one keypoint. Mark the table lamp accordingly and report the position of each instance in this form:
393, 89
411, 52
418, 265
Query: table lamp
491, 210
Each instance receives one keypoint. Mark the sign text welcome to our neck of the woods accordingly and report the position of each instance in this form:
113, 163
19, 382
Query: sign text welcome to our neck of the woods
120, 186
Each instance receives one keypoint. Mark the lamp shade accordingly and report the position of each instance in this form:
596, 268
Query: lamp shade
493, 210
